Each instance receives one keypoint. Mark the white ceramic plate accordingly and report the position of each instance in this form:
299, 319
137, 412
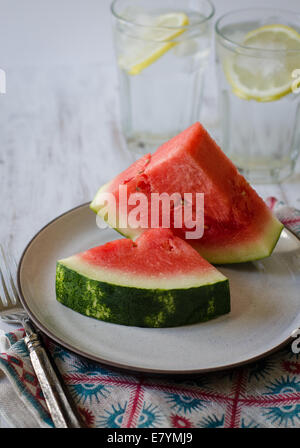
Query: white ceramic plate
264, 298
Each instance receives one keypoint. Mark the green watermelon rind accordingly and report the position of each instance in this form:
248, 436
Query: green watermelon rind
259, 249
141, 307
101, 211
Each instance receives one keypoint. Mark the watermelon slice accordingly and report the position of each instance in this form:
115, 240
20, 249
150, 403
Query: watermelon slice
238, 226
157, 281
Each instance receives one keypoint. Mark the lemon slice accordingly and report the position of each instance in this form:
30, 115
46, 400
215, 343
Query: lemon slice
265, 78
152, 42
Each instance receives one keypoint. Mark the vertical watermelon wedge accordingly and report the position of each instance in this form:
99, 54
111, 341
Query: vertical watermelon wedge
238, 226
157, 281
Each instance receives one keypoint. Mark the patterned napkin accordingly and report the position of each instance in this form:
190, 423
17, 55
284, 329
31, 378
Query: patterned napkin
262, 394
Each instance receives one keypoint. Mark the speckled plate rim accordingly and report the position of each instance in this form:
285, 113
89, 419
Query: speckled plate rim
115, 365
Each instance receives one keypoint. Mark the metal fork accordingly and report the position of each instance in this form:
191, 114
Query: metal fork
61, 409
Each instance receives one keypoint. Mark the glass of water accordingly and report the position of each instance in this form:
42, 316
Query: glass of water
258, 68
162, 49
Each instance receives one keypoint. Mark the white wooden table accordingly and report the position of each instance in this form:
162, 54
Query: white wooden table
60, 136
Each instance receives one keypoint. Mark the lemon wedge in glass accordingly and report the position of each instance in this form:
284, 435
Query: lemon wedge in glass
267, 76
152, 42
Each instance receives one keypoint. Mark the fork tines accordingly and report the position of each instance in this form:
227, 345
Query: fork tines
8, 292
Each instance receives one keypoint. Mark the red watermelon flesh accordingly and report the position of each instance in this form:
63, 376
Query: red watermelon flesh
157, 259
170, 256
238, 225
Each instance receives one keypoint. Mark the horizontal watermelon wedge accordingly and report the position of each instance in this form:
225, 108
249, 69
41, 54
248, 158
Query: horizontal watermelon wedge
238, 226
157, 281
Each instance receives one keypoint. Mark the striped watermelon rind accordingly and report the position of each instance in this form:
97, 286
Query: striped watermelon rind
140, 306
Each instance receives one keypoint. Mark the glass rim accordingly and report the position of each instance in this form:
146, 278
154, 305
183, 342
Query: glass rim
132, 22
247, 47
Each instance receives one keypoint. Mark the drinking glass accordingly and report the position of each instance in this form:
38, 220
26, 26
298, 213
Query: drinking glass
162, 49
259, 109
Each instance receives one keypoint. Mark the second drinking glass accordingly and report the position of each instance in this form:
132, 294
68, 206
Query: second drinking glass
258, 61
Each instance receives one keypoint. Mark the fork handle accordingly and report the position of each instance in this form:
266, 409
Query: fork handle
60, 408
